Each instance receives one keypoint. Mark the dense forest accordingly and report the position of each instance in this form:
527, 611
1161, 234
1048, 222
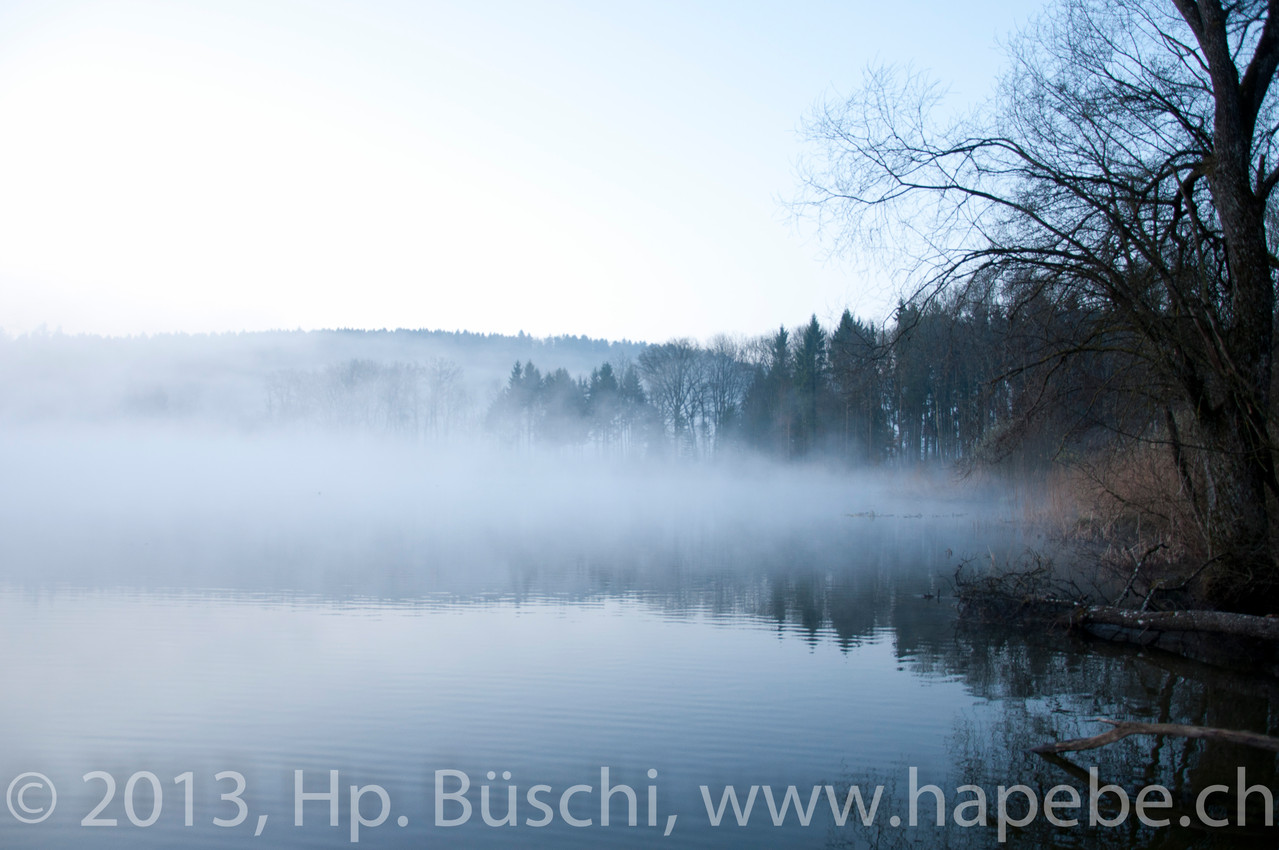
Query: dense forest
934, 386
944, 383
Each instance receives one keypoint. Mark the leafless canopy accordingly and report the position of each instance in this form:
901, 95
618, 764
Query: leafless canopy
1124, 169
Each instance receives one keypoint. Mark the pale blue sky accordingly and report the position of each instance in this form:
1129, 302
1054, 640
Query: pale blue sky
611, 169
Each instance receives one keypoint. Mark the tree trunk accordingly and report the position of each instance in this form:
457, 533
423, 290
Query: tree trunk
1204, 622
1237, 522
1235, 422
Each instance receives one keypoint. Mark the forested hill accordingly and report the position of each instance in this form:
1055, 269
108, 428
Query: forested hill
227, 378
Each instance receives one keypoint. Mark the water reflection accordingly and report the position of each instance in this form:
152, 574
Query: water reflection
1054, 688
714, 652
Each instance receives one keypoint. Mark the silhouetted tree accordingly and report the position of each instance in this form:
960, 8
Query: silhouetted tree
1124, 174
770, 401
855, 359
811, 390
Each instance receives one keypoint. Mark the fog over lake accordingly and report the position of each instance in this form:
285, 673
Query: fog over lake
151, 504
612, 425
187, 596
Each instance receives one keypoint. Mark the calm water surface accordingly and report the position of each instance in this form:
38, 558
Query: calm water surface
712, 651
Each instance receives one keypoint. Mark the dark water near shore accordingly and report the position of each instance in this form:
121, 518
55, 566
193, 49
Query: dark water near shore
752, 646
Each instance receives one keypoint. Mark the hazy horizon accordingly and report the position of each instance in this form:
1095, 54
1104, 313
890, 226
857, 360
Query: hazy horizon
614, 171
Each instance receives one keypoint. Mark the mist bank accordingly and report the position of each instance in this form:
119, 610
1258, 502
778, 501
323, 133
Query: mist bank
160, 505
854, 394
226, 379
351, 462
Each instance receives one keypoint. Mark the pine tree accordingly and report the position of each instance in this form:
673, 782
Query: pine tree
810, 384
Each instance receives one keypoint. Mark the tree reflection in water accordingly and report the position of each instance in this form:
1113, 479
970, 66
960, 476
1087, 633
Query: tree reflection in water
1053, 688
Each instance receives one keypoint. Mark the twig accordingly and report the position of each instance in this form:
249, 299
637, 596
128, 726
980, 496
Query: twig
1136, 570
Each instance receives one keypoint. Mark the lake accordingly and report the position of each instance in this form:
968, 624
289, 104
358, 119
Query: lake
453, 634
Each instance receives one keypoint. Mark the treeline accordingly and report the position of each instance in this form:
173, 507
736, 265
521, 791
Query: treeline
412, 399
608, 410
220, 378
945, 382
931, 386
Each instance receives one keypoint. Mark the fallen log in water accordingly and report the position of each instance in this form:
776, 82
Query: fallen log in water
1035, 597
1214, 622
1219, 638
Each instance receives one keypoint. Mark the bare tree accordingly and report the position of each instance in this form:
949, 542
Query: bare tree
1125, 169
673, 375
727, 378
411, 399
446, 400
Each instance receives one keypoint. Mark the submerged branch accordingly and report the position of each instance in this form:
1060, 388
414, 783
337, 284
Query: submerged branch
1122, 729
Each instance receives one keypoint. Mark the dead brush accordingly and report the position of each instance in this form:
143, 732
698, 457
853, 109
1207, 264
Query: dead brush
1014, 593
1125, 512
